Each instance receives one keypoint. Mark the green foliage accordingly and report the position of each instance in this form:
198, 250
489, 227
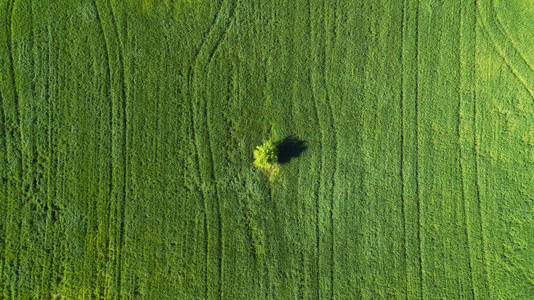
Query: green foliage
266, 159
265, 155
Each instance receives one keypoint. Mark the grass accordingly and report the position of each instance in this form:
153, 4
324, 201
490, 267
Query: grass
127, 130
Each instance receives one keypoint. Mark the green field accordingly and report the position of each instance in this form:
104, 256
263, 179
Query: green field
127, 130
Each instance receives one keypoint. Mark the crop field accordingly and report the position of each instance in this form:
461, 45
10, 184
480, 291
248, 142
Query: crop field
127, 130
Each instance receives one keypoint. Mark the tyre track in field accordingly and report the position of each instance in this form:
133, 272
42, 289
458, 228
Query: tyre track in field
110, 187
4, 132
477, 139
230, 19
4, 205
28, 167
316, 192
63, 151
476, 145
122, 68
476, 148
45, 277
206, 36
401, 170
17, 123
46, 199
512, 58
268, 93
195, 136
417, 186
462, 187
460, 152
9, 17
207, 114
320, 183
498, 21
194, 110
329, 41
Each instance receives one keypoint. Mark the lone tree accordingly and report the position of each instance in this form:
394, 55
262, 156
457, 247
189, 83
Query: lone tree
266, 159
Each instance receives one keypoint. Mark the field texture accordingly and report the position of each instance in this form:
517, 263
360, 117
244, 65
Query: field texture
127, 130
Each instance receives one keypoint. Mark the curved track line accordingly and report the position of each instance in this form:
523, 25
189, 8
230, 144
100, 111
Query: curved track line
196, 137
486, 30
489, 32
208, 37
226, 30
212, 154
192, 112
206, 113
207, 34
507, 35
201, 188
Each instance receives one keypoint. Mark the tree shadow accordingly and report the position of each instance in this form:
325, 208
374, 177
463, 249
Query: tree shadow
290, 147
